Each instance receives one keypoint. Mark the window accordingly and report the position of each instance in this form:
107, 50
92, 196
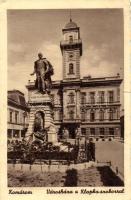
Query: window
24, 118
9, 133
16, 133
101, 114
111, 96
110, 114
92, 97
83, 98
92, 131
22, 133
118, 94
111, 131
11, 116
71, 68
101, 97
83, 116
70, 38
102, 131
118, 113
83, 131
71, 115
71, 98
92, 116
16, 117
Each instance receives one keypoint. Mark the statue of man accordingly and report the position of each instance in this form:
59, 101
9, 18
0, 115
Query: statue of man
43, 70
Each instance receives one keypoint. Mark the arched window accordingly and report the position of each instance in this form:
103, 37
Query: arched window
101, 115
70, 38
71, 115
71, 68
71, 98
83, 115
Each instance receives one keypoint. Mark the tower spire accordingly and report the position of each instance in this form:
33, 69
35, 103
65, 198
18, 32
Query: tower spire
70, 16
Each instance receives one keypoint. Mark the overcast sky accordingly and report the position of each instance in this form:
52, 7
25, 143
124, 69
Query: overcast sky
31, 31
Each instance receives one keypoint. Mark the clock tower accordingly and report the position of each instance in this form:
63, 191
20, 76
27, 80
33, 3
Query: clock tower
71, 48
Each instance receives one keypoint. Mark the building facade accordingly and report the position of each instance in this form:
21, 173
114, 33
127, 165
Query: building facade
86, 106
17, 115
90, 106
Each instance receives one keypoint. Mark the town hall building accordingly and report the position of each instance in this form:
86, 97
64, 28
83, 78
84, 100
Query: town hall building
86, 106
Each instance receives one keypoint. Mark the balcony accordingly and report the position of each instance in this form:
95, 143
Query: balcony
100, 103
67, 120
72, 42
66, 44
24, 125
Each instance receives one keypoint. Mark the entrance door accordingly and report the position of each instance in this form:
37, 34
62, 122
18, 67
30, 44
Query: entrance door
72, 131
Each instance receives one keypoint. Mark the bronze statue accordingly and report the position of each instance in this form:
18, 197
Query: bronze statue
43, 70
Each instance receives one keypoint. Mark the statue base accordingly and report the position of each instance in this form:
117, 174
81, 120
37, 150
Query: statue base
39, 102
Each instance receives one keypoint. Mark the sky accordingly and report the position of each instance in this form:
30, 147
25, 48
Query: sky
33, 31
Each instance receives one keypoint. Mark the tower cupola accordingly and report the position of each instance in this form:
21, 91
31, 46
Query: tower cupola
71, 48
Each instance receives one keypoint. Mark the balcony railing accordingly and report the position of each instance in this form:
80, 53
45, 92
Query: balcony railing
100, 103
25, 125
91, 121
74, 41
71, 120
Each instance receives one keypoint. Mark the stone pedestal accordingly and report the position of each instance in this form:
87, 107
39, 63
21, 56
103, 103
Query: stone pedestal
41, 103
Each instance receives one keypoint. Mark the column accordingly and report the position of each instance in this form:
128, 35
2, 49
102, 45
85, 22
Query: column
64, 105
78, 104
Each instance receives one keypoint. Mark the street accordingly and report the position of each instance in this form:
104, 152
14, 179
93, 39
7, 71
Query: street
111, 151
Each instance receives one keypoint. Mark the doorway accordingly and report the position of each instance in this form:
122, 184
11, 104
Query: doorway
72, 130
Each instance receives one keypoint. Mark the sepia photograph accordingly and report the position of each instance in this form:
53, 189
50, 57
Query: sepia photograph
65, 108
